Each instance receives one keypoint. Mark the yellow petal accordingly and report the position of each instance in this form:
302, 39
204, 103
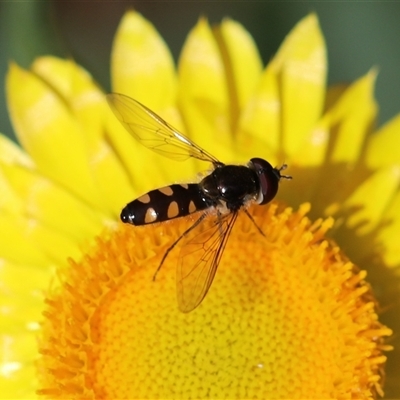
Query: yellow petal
390, 232
89, 106
18, 378
15, 245
9, 200
372, 198
237, 45
141, 64
46, 202
50, 134
77, 86
333, 94
260, 123
27, 241
22, 305
11, 153
22, 299
203, 92
290, 97
313, 150
26, 192
111, 178
300, 67
352, 117
142, 67
383, 146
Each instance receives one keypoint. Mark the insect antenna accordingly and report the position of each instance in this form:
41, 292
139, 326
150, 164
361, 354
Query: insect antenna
282, 168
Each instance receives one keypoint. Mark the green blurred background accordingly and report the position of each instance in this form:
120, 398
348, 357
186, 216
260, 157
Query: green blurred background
359, 35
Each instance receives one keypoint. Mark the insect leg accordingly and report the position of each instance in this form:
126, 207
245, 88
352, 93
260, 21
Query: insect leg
254, 222
219, 217
177, 241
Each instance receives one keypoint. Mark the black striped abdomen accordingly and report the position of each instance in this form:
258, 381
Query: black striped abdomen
166, 203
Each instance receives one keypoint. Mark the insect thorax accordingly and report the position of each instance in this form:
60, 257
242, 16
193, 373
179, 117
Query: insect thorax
232, 184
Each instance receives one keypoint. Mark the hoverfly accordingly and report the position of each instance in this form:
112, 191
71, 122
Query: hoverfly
219, 195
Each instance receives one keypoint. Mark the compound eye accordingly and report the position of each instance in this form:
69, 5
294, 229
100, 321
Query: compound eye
268, 177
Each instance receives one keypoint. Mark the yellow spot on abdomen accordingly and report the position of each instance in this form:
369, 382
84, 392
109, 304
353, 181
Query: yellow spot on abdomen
150, 216
192, 207
167, 191
173, 209
144, 199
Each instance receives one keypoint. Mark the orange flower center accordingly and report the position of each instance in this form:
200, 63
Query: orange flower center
287, 316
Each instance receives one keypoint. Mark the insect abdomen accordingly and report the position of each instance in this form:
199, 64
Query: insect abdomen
166, 203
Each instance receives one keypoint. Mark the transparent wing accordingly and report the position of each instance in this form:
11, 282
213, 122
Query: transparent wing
199, 259
153, 132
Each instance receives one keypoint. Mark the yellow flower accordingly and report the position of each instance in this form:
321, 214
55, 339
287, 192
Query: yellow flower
288, 316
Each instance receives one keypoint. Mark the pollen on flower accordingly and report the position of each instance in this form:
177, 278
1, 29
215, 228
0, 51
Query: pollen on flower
288, 316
